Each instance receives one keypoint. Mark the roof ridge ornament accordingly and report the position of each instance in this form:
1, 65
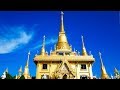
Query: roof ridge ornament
84, 52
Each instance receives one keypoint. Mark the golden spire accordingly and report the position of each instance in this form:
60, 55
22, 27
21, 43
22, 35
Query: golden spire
104, 74
62, 24
55, 47
20, 71
116, 72
43, 46
27, 64
26, 69
62, 39
71, 47
84, 52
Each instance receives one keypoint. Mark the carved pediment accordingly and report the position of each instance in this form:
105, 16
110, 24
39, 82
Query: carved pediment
64, 68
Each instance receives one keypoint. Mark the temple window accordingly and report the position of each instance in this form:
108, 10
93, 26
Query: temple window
83, 66
44, 66
60, 53
67, 54
83, 77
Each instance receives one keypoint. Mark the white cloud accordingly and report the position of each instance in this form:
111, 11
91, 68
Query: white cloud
13, 39
48, 42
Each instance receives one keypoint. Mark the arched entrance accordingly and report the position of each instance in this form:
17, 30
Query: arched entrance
65, 76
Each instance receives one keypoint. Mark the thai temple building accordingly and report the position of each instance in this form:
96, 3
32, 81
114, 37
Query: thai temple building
63, 62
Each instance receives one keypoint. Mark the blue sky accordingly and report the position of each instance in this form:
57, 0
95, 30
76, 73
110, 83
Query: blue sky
21, 31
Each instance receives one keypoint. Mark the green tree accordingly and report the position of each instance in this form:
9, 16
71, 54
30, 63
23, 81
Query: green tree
14, 77
8, 76
22, 77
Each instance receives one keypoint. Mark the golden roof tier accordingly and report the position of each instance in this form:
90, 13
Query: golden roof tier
59, 58
63, 50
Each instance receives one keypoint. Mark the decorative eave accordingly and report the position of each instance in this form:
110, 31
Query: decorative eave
63, 50
59, 58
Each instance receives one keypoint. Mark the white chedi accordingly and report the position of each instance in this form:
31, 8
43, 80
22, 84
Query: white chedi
4, 75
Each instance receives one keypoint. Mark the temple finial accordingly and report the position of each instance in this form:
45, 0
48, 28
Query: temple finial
84, 52
82, 41
101, 59
55, 47
20, 71
28, 59
62, 13
104, 74
62, 25
116, 72
90, 53
43, 46
44, 41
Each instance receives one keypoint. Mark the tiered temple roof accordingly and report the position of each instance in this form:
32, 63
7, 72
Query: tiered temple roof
63, 47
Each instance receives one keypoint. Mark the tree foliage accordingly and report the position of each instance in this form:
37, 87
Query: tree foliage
8, 76
22, 77
14, 77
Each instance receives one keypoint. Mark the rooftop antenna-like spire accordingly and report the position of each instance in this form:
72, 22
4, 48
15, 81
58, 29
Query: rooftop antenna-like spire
28, 59
62, 24
43, 46
84, 52
104, 74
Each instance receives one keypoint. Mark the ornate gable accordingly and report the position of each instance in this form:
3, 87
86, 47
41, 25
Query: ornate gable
64, 68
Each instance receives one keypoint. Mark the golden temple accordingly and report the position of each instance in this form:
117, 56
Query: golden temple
63, 63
